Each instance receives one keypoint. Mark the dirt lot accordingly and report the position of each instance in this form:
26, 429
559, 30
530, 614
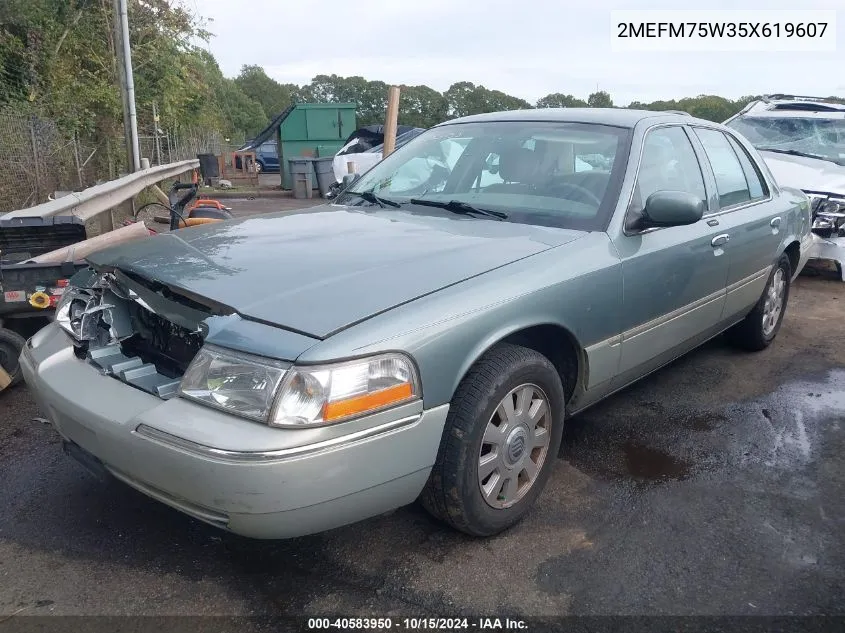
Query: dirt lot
715, 486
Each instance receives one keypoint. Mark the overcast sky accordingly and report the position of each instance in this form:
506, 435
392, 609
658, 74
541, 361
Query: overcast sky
527, 48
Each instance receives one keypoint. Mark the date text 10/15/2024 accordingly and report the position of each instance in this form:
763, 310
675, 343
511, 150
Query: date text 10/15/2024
417, 624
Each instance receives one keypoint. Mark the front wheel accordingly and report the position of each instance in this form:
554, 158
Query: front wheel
502, 436
759, 328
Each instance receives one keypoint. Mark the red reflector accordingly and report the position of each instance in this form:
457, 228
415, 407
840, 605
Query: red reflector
61, 283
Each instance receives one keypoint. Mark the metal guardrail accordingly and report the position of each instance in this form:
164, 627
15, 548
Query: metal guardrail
90, 202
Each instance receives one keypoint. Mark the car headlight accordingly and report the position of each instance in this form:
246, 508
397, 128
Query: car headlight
832, 205
71, 313
240, 383
268, 391
821, 204
333, 393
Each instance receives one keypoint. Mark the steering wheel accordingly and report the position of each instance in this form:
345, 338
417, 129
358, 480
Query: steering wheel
582, 190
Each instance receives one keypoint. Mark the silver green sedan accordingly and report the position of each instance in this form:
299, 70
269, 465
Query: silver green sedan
425, 335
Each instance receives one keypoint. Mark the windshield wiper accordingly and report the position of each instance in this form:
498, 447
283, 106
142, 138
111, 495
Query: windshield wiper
795, 152
372, 198
456, 206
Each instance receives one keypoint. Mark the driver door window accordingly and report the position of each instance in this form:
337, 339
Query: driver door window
668, 163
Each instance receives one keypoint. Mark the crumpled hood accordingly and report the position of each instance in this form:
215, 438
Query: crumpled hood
319, 270
808, 174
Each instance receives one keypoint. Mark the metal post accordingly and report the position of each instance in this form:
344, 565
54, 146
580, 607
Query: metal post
155, 132
120, 72
76, 159
129, 84
35, 159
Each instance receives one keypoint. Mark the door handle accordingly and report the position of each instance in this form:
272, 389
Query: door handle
775, 223
720, 240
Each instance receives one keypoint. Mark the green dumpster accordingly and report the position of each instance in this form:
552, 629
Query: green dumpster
311, 130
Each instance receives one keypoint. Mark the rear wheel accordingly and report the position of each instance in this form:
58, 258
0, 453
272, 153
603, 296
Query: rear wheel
500, 443
11, 346
759, 328
259, 167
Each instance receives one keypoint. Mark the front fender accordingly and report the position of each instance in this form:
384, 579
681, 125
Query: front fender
576, 287
798, 227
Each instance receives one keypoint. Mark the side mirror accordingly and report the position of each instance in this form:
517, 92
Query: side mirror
671, 208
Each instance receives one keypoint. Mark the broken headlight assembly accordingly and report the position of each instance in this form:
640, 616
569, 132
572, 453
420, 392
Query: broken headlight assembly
262, 389
76, 313
828, 216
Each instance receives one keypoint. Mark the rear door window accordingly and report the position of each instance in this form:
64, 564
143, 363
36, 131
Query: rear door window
756, 184
731, 183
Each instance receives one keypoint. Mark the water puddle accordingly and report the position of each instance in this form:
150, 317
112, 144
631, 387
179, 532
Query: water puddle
645, 463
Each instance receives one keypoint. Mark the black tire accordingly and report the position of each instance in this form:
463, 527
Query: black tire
749, 334
11, 346
259, 167
453, 492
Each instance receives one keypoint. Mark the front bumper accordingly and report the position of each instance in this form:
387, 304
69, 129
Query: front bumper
238, 475
828, 249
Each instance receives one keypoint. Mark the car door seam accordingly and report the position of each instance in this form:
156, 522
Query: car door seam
671, 316
749, 279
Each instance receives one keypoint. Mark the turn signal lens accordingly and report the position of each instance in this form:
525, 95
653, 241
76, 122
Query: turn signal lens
362, 404
311, 396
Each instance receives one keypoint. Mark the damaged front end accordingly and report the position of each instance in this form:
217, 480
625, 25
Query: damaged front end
829, 230
132, 329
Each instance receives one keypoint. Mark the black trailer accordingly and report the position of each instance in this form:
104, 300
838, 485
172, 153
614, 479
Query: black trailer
29, 292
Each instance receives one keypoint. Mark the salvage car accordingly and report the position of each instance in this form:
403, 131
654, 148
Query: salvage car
289, 373
802, 139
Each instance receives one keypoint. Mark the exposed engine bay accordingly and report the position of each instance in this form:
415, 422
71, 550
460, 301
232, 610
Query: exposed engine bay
137, 331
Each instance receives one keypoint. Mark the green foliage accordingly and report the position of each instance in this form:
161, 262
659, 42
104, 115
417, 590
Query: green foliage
560, 100
57, 58
421, 106
710, 107
272, 96
600, 99
465, 98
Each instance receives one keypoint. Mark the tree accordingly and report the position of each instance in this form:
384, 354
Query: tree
465, 98
559, 100
421, 106
370, 96
600, 99
269, 93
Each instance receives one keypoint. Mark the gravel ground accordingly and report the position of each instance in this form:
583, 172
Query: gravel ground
714, 487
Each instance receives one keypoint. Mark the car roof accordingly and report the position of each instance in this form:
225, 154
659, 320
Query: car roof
619, 117
790, 106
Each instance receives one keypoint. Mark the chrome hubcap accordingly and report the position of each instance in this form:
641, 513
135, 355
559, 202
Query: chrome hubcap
773, 303
515, 446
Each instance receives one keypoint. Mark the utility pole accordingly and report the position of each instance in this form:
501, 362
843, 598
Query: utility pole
127, 83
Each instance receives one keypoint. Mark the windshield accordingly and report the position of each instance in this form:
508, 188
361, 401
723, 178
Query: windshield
813, 136
554, 174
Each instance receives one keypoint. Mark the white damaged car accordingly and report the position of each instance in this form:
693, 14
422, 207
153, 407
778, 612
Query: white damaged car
802, 140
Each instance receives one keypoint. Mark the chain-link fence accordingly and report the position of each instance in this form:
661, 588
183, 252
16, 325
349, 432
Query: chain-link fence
38, 160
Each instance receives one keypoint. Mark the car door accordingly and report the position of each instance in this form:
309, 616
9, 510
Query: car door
747, 217
673, 278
